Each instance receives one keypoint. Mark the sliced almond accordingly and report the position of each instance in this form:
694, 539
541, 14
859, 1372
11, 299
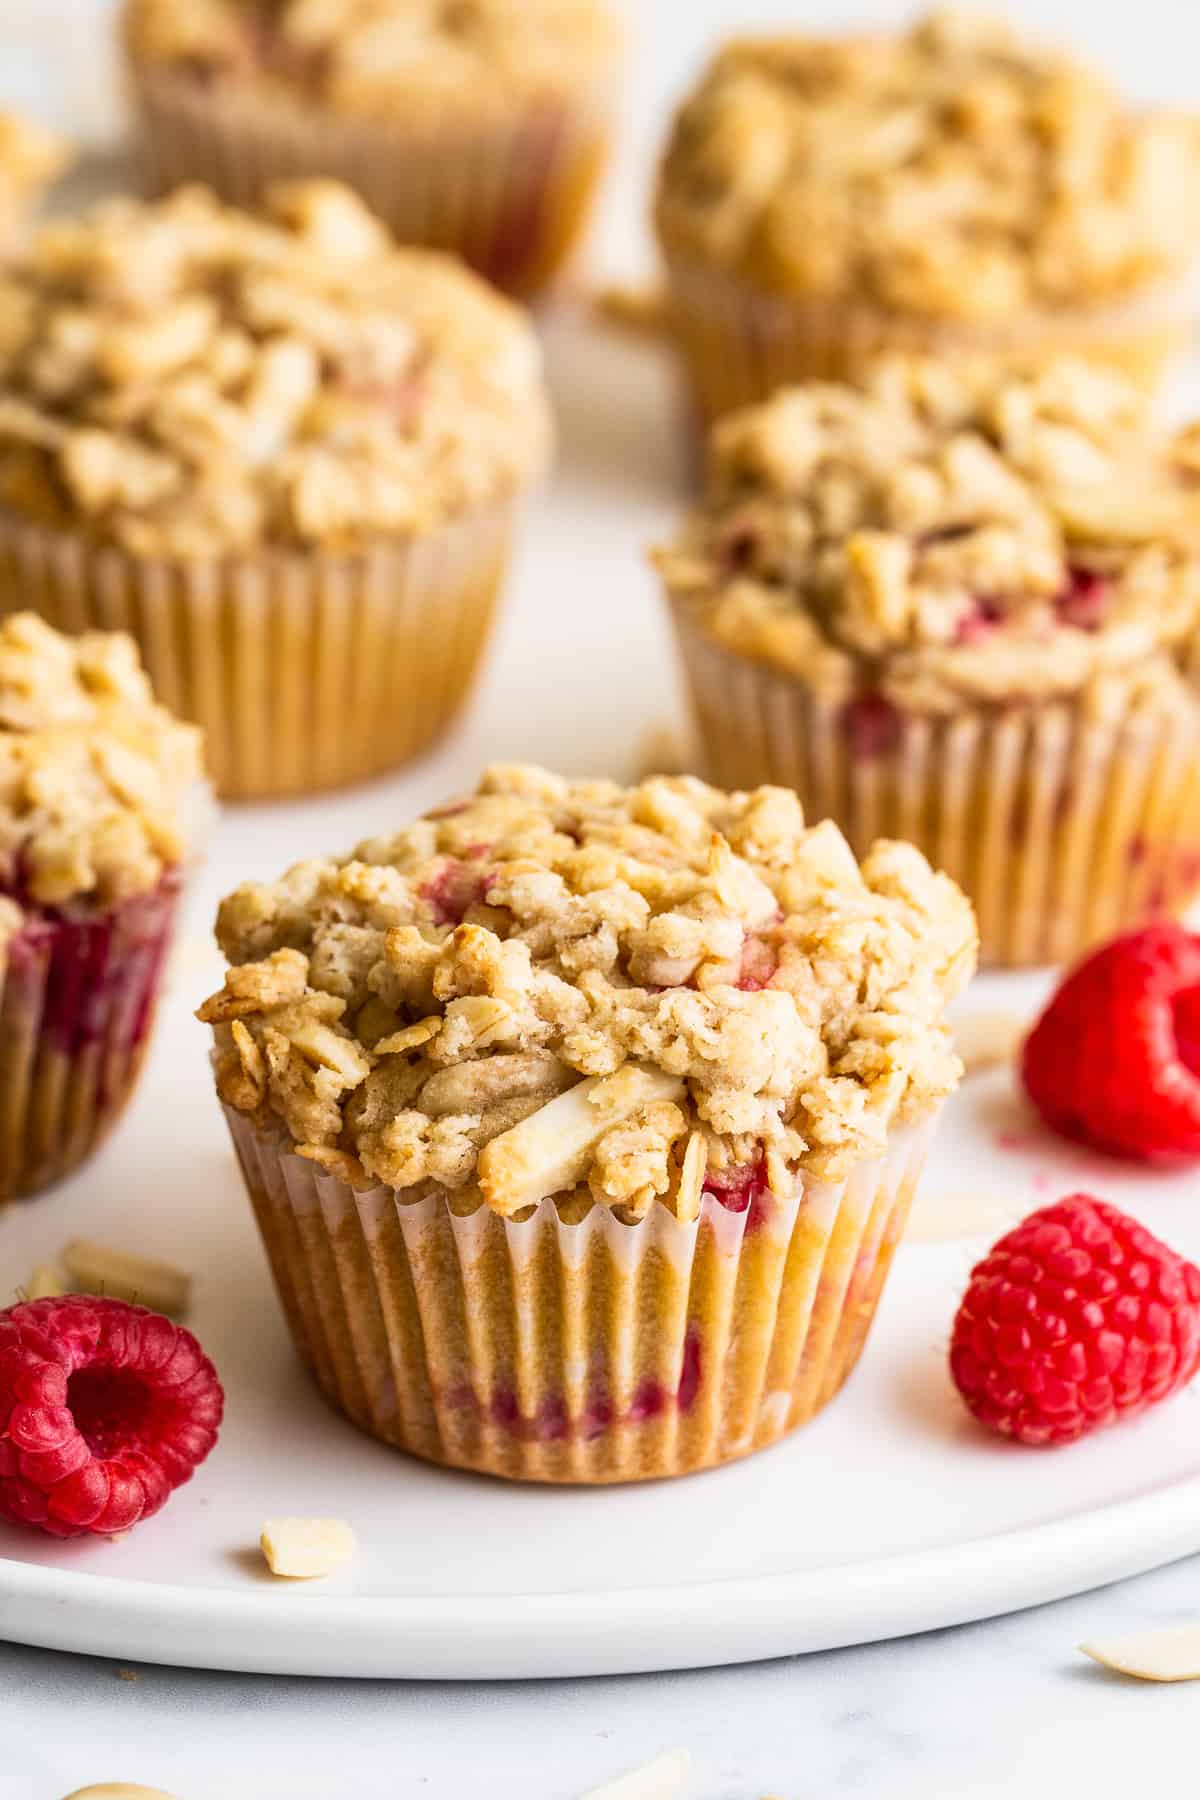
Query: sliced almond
411, 1038
664, 1779
304, 1549
691, 1179
473, 1087
1128, 514
986, 1040
43, 1284
549, 1151
662, 751
641, 311
937, 1218
1172, 1654
118, 1275
120, 1790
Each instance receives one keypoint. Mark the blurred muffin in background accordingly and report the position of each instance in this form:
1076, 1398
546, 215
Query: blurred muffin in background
951, 189
959, 606
30, 159
283, 453
479, 126
101, 799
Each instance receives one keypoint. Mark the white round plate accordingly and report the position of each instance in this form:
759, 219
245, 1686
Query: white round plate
890, 1514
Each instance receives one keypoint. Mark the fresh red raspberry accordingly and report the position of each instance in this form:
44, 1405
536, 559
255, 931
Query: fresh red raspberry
105, 1409
1114, 1061
1075, 1319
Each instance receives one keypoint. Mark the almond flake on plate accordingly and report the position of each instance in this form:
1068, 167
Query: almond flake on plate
119, 1275
304, 1549
985, 1040
664, 1779
120, 1790
937, 1218
1172, 1654
641, 311
43, 1284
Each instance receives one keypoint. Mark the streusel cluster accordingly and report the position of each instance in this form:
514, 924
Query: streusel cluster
365, 57
186, 379
591, 993
951, 172
961, 533
94, 775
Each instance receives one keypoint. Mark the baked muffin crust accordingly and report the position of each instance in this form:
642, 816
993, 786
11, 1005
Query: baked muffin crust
952, 172
599, 994
949, 535
364, 57
94, 775
182, 378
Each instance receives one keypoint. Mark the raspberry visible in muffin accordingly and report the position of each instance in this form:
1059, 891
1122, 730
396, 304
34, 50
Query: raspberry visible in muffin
945, 537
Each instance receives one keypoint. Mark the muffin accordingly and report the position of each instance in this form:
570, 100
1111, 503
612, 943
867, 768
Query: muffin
284, 454
581, 1122
481, 126
947, 190
98, 792
30, 159
952, 607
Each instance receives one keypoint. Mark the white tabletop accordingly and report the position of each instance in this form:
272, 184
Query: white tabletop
1003, 1707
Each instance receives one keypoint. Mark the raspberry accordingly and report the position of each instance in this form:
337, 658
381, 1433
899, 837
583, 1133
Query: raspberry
105, 1409
1077, 1318
1114, 1061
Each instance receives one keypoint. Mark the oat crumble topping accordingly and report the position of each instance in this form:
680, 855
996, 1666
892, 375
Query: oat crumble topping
94, 775
362, 57
952, 172
949, 535
186, 379
596, 993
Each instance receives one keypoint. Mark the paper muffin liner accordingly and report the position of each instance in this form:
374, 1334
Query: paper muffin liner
511, 196
306, 672
78, 997
739, 344
1062, 827
590, 1352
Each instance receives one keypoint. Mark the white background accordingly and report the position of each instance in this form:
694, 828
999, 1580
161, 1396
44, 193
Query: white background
1000, 1708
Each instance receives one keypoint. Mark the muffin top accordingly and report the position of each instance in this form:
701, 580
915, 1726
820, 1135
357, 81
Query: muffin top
593, 993
30, 158
363, 56
95, 776
950, 534
952, 172
186, 379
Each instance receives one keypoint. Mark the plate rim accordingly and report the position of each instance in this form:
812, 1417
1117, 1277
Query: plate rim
598, 1632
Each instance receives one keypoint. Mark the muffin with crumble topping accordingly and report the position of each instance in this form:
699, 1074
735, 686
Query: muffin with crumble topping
98, 815
949, 189
581, 1122
284, 453
478, 126
959, 606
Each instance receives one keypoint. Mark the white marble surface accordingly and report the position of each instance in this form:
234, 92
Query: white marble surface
1006, 1708
1003, 1707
